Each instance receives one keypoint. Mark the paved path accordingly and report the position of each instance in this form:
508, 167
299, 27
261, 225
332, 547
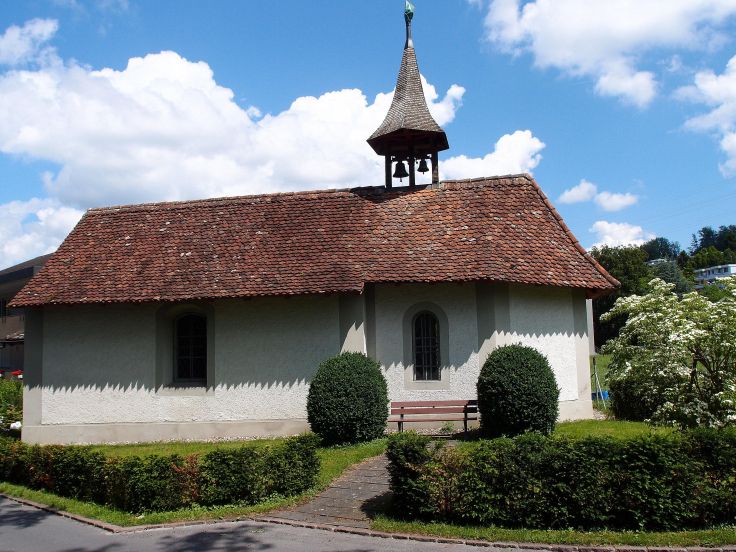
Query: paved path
350, 501
26, 529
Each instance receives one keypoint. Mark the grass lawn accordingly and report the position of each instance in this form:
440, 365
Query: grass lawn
334, 461
602, 362
590, 428
607, 428
712, 537
181, 448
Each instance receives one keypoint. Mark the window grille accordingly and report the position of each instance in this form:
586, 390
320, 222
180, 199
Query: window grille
191, 348
426, 347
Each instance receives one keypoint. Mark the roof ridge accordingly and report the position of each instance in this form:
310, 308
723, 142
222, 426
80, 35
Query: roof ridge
481, 179
229, 199
180, 204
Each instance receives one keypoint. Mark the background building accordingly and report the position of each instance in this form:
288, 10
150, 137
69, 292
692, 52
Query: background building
12, 321
711, 274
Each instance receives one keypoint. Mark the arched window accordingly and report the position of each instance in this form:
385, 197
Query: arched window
190, 353
426, 330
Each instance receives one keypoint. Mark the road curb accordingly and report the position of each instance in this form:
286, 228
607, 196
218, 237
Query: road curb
491, 544
89, 521
112, 528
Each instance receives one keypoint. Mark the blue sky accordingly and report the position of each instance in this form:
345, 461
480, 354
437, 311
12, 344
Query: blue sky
623, 110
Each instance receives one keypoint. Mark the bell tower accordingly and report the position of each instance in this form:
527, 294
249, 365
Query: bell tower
409, 134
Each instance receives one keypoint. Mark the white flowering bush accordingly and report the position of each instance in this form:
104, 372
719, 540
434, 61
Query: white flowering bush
680, 350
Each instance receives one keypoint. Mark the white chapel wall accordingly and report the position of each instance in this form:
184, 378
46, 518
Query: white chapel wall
100, 380
479, 318
99, 371
553, 321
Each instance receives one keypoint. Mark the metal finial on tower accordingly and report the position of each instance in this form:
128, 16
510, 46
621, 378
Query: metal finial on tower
408, 16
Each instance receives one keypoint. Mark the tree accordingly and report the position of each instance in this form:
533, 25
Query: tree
726, 238
628, 265
714, 293
708, 256
706, 237
661, 248
722, 239
683, 349
671, 273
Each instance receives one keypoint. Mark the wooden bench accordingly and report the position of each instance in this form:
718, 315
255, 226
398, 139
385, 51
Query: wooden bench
433, 411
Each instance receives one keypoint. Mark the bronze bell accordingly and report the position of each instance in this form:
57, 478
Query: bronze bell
400, 171
423, 168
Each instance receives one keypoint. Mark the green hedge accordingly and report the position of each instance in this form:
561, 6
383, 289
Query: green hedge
245, 475
652, 482
408, 453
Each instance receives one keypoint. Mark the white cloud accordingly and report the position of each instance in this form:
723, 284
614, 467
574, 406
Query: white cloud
606, 39
619, 233
513, 153
619, 79
113, 5
27, 43
728, 145
585, 191
163, 129
615, 202
608, 201
69, 4
718, 93
33, 227
443, 110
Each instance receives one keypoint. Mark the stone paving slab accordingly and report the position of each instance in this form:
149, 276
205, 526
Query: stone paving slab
350, 500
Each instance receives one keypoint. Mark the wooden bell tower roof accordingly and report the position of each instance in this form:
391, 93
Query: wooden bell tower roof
408, 128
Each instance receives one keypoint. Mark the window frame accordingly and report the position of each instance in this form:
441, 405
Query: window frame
176, 378
410, 383
435, 369
166, 380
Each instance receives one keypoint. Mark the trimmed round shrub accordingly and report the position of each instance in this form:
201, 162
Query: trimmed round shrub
517, 392
348, 400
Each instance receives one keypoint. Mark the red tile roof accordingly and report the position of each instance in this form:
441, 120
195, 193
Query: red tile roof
499, 229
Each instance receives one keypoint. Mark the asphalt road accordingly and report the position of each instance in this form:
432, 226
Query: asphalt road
26, 529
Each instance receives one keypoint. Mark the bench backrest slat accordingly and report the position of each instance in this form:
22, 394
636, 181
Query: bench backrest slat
430, 404
438, 410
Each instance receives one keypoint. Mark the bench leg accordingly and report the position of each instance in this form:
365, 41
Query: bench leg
401, 425
465, 424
